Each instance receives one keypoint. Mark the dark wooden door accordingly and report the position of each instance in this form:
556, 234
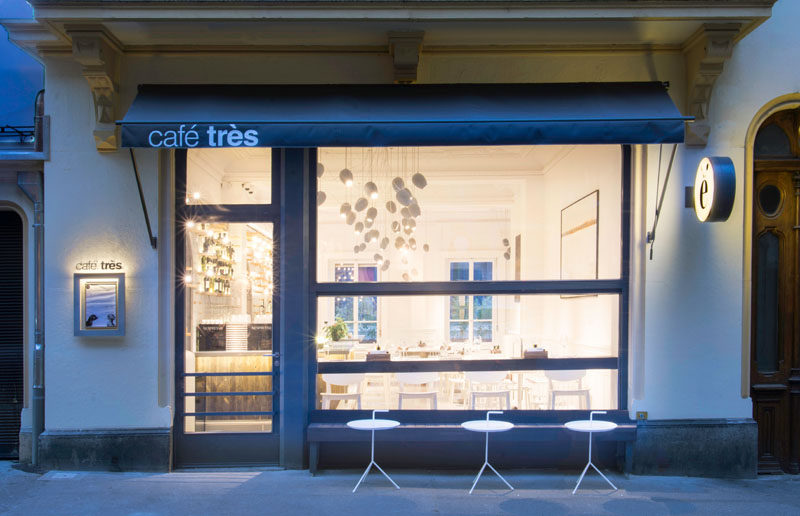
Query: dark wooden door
775, 355
11, 333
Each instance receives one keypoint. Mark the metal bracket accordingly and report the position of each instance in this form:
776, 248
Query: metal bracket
153, 240
651, 235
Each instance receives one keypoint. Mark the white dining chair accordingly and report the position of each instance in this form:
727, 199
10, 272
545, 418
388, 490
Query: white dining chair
488, 385
557, 379
425, 381
346, 380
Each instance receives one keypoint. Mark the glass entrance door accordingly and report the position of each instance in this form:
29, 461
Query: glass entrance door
227, 357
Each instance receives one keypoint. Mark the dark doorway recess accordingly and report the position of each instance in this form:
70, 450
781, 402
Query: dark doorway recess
11, 333
775, 338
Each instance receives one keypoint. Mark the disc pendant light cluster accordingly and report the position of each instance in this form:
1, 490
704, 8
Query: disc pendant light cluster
382, 205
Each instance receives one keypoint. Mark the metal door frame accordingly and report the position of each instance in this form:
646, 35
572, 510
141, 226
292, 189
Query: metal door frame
233, 448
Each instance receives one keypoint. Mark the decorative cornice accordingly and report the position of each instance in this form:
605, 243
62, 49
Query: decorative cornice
405, 48
705, 62
99, 56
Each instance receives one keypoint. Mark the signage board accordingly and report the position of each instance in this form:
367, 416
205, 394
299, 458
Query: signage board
714, 189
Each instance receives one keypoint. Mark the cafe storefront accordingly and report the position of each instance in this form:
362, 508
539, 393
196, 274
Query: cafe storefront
408, 296
303, 234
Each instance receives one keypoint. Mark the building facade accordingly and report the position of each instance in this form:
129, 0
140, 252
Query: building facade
22, 150
263, 219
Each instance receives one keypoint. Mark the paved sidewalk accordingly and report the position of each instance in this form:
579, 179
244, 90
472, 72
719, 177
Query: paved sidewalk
288, 493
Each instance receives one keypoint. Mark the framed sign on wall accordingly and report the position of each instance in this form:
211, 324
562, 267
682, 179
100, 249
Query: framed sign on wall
100, 305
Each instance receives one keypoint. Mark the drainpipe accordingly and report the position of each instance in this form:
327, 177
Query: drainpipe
32, 185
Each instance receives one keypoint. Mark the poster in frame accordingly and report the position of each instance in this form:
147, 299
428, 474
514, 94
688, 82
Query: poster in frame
99, 304
579, 239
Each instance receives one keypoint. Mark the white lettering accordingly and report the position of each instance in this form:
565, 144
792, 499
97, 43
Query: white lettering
235, 138
221, 137
191, 134
251, 138
150, 139
211, 132
170, 139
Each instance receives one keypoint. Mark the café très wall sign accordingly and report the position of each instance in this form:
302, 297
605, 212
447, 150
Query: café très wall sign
714, 189
186, 136
99, 265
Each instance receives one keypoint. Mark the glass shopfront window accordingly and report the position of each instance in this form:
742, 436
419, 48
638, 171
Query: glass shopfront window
487, 276
229, 325
580, 389
444, 213
229, 176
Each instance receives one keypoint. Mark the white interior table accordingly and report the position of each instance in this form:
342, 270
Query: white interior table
591, 425
372, 425
487, 426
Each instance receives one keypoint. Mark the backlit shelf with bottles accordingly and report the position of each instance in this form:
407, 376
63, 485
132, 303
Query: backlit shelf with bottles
259, 270
216, 259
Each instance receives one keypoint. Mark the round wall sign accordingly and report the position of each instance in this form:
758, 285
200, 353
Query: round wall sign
714, 189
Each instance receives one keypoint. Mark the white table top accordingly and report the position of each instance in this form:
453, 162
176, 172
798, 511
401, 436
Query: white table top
482, 425
373, 424
590, 426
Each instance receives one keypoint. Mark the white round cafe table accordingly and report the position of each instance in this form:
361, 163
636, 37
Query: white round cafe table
591, 426
482, 425
586, 425
372, 425
487, 426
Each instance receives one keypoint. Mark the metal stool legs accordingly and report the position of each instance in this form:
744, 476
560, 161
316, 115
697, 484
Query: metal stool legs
486, 463
373, 463
595, 468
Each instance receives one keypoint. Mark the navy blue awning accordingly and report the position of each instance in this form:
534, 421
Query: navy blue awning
188, 116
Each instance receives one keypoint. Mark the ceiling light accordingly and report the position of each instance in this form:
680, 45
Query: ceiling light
371, 190
346, 177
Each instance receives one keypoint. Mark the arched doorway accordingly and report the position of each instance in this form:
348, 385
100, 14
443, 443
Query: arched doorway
11, 332
775, 327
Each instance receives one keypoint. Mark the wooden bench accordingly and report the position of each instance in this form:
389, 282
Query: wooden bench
324, 432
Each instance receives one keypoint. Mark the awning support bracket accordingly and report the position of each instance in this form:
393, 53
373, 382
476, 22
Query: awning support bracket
651, 235
141, 198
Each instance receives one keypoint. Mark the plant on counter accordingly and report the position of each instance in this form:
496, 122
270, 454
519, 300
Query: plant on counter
336, 331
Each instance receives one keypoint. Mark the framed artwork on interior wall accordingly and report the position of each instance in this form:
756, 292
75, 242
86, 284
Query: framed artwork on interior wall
579, 237
99, 305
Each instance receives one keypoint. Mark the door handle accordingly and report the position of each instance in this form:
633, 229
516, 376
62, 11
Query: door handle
275, 358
